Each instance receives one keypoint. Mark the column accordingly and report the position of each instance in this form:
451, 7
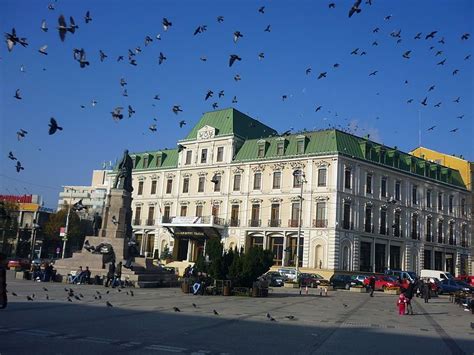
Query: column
285, 245
190, 250
373, 255
432, 258
388, 255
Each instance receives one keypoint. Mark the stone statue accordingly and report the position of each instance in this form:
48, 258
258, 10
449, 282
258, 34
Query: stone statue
123, 180
96, 224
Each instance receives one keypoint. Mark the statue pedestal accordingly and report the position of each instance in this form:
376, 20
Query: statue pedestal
116, 231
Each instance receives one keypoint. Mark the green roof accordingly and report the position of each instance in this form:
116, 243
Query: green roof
232, 122
165, 158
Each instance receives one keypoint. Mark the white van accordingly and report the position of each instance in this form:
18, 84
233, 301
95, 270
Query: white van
440, 275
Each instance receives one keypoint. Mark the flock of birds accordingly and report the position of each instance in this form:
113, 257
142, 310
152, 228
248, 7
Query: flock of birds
67, 29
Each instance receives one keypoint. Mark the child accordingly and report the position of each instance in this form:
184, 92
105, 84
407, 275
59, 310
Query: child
401, 304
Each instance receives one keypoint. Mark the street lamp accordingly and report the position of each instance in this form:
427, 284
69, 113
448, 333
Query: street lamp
34, 230
67, 223
299, 174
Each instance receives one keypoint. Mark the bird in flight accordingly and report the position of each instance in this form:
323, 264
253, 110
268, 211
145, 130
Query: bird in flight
308, 71
237, 35
53, 126
262, 10
162, 58
182, 123
442, 62
268, 28
431, 34
233, 58
261, 56
166, 24
431, 88
318, 108
332, 5
418, 35
117, 113
406, 55
457, 99
176, 109
431, 128
102, 55
88, 17
355, 8
221, 93
454, 130
465, 36
322, 75
220, 19
215, 105
131, 111
424, 102
12, 39
21, 134
200, 29
373, 73
11, 156
17, 95
43, 49
208, 94
455, 71
44, 26
438, 104
355, 51
19, 168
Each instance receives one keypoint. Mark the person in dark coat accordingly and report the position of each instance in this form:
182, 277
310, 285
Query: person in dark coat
118, 275
110, 274
372, 285
409, 295
3, 282
426, 290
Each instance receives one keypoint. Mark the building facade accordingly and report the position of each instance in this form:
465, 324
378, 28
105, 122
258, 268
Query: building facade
93, 196
360, 205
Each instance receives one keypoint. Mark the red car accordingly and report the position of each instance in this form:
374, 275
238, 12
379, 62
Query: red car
18, 264
467, 279
382, 282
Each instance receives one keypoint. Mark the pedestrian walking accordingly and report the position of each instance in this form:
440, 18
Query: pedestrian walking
409, 295
118, 275
401, 302
110, 274
3, 282
372, 285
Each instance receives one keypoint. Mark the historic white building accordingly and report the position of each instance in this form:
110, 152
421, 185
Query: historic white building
365, 206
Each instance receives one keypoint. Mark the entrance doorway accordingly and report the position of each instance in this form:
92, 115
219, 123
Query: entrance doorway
379, 257
395, 257
365, 257
183, 245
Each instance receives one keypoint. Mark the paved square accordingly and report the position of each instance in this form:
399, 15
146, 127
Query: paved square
343, 322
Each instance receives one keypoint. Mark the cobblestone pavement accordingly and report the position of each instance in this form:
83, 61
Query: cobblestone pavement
343, 322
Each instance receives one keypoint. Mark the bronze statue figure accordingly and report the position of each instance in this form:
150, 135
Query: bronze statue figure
123, 180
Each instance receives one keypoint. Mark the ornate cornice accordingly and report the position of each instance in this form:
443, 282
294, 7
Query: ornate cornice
216, 202
236, 201
218, 172
154, 177
321, 198
347, 199
238, 170
202, 173
186, 175
167, 203
170, 175
138, 204
278, 166
199, 202
297, 165
140, 178
256, 200
275, 199
184, 203
295, 199
322, 163
369, 204
258, 168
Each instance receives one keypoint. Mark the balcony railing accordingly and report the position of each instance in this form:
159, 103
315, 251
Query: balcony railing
293, 223
193, 220
234, 222
137, 222
320, 223
255, 222
150, 222
274, 222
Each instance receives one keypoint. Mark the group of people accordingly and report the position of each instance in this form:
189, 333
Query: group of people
114, 275
417, 288
81, 276
42, 273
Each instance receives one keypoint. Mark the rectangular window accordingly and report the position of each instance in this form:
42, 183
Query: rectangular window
158, 160
189, 156
153, 187
237, 182
440, 231
383, 187
414, 226
261, 151
201, 184
414, 195
297, 180
217, 183
215, 210
140, 188
166, 212
322, 177
383, 221
396, 224
321, 215
277, 179
463, 207
198, 210
145, 162
368, 219
274, 215
300, 147
398, 190
368, 184
255, 221
440, 201
184, 211
203, 156
428, 229
151, 215
280, 148
138, 212
257, 181
347, 178
220, 154
169, 185
234, 216
295, 214
346, 223
451, 201
185, 185
428, 198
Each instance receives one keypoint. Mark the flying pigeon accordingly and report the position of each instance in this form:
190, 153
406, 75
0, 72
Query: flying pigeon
80, 56
162, 58
148, 40
19, 167
431, 128
176, 109
237, 77
208, 94
78, 206
268, 28
166, 24
102, 55
455, 71
418, 35
203, 59
221, 93
442, 62
220, 19
355, 51
156, 97
233, 58
152, 128
131, 111
176, 309
387, 18
215, 312
262, 10
182, 123
355, 8
17, 94
88, 17
234, 100
117, 113
53, 126
373, 73
215, 105
431, 34
454, 130
308, 71
318, 108
406, 55
237, 35
11, 156
438, 104
332, 5
322, 75
465, 36
43, 49
424, 102
457, 99
12, 40
44, 26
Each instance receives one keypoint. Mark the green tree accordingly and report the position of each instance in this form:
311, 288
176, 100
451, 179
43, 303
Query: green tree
8, 225
76, 230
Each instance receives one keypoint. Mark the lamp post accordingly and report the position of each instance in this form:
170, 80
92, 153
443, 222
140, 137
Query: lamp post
33, 238
67, 223
299, 174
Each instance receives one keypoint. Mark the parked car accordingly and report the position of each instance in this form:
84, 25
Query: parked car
18, 264
465, 286
449, 286
435, 284
274, 278
289, 273
467, 279
382, 282
358, 280
398, 274
311, 280
340, 281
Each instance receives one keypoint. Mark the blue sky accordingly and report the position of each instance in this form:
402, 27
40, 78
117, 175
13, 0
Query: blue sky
303, 34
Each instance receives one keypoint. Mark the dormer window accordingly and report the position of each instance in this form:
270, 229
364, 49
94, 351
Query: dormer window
158, 160
145, 161
280, 148
300, 146
261, 150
